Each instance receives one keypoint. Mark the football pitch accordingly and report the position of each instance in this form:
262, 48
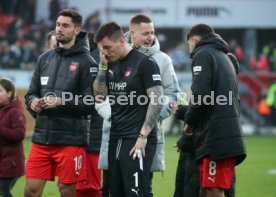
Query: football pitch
256, 176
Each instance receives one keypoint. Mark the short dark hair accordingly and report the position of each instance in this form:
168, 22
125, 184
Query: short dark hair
8, 85
199, 30
50, 34
111, 30
73, 14
140, 18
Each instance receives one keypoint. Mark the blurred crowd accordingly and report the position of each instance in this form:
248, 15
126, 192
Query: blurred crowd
22, 39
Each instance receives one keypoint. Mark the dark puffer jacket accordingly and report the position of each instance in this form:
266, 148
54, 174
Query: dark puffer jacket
66, 74
217, 128
96, 123
187, 183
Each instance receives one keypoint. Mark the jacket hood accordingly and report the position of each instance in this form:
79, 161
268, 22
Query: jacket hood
235, 62
211, 40
81, 45
149, 51
16, 103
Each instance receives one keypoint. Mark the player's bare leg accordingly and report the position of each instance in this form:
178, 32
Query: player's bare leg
212, 192
34, 187
67, 190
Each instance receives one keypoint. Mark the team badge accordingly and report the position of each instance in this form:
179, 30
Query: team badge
73, 66
128, 72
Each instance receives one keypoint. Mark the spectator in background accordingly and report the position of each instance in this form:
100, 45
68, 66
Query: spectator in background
37, 38
54, 7
263, 109
181, 59
270, 52
271, 102
260, 64
236, 49
92, 23
30, 55
8, 58
12, 133
16, 48
51, 40
6, 21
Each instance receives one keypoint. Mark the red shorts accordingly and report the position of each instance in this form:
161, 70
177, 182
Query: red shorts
93, 176
66, 162
216, 174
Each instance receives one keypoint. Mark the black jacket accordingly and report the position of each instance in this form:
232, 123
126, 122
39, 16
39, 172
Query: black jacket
63, 72
96, 124
217, 128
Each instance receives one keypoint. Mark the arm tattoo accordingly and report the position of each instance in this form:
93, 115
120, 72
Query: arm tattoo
155, 94
99, 86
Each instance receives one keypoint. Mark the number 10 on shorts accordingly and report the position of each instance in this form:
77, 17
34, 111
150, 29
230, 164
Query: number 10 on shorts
78, 163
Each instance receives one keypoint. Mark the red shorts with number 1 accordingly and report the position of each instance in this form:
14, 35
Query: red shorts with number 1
216, 174
66, 162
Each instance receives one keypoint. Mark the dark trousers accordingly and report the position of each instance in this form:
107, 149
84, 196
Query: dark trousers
150, 193
105, 184
128, 177
6, 185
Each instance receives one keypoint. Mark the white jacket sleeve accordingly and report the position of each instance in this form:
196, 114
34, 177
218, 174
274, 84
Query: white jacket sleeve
104, 109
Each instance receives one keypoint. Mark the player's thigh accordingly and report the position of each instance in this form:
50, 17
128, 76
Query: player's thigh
70, 163
115, 181
136, 172
39, 164
93, 176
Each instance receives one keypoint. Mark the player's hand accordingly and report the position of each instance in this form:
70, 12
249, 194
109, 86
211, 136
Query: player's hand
177, 149
36, 105
103, 58
188, 130
139, 148
173, 106
50, 102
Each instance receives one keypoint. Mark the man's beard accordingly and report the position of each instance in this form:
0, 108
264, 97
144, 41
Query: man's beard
64, 40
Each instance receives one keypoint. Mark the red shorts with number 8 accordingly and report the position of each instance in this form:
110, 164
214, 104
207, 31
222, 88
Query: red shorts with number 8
216, 174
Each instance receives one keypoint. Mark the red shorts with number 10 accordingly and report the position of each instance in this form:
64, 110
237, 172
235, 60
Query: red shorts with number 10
66, 162
216, 174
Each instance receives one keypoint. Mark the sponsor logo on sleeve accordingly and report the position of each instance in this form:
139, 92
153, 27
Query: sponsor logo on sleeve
44, 80
156, 77
197, 68
93, 70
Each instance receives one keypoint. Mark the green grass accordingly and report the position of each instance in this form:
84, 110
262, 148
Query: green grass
253, 178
